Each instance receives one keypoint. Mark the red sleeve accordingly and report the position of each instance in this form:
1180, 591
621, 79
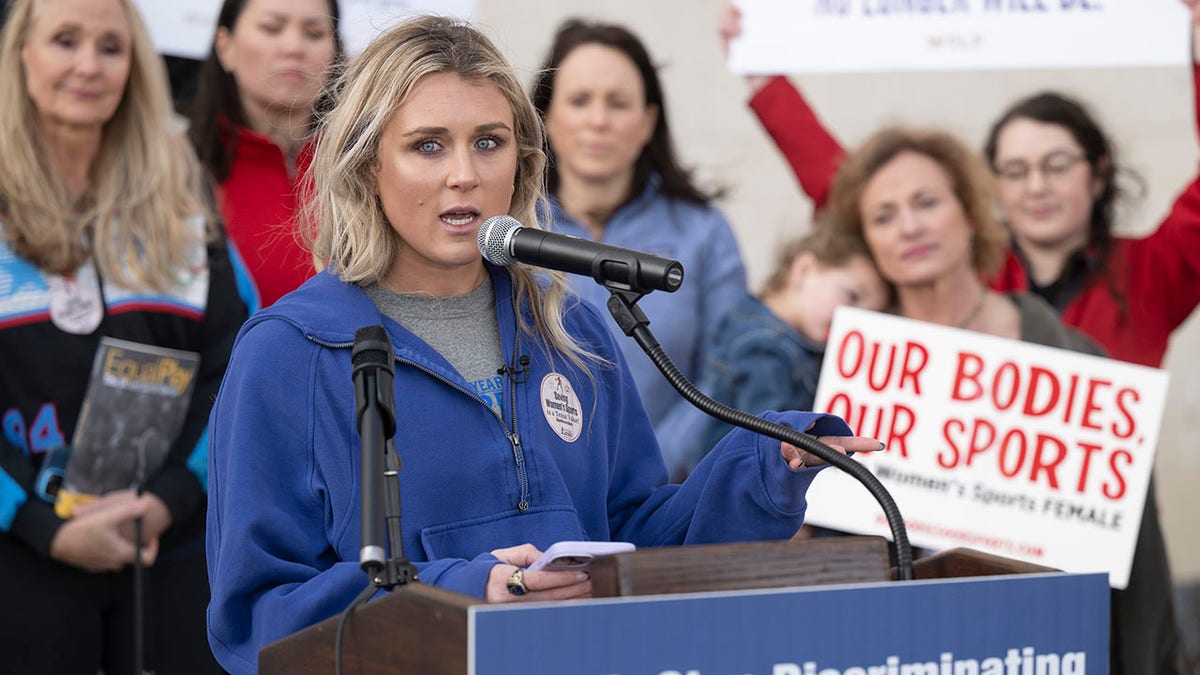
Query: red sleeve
1165, 266
805, 143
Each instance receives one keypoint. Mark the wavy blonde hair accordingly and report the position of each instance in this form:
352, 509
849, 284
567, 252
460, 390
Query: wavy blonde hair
145, 183
344, 219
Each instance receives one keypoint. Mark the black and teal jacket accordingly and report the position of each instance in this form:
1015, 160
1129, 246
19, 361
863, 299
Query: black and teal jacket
44, 372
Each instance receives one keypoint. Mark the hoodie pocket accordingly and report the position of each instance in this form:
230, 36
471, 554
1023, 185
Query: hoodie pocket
468, 538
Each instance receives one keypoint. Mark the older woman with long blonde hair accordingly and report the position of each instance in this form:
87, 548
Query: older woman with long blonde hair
517, 420
104, 232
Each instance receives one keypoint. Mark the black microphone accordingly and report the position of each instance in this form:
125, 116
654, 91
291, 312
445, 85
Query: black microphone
503, 241
375, 413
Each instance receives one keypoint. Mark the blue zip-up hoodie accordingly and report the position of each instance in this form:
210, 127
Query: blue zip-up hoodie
284, 504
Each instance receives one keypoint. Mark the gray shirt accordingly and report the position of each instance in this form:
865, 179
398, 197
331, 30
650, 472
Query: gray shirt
461, 328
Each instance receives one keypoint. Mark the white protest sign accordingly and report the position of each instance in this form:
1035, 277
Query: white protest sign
362, 20
185, 27
1025, 451
825, 36
181, 27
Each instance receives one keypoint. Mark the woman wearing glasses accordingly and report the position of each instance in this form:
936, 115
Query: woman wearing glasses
1057, 173
1057, 187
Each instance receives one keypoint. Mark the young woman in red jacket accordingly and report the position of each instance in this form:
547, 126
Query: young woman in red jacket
1056, 171
258, 95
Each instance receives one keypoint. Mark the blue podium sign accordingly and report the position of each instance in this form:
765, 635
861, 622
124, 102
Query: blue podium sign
1044, 624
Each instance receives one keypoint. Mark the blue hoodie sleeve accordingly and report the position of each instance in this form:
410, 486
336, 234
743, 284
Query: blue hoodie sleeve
742, 491
272, 559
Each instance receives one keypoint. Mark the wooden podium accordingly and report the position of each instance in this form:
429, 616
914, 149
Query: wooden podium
422, 629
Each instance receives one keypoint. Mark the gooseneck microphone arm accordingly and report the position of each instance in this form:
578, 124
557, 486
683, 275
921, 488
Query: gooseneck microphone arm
633, 322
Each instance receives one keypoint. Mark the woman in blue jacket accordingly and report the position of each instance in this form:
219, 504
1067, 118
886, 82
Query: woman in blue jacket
518, 422
613, 177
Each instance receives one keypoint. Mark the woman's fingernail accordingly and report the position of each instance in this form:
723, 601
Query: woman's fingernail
882, 446
583, 576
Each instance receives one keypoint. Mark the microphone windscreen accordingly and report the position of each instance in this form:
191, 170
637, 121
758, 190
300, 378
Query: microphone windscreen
371, 347
494, 237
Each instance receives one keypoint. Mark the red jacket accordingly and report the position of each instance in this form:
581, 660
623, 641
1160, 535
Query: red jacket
1157, 278
258, 201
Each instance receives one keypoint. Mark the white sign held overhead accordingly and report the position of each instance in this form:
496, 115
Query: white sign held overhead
185, 27
362, 20
829, 36
1007, 447
182, 27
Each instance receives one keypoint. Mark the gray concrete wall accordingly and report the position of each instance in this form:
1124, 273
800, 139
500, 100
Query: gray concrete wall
1148, 112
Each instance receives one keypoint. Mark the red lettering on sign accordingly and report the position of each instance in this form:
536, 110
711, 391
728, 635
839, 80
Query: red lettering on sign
898, 419
1117, 490
1090, 405
1037, 376
911, 372
1130, 424
970, 367
1047, 466
1014, 441
949, 458
854, 350
1070, 399
1040, 459
903, 420
978, 444
849, 369
1088, 449
1005, 396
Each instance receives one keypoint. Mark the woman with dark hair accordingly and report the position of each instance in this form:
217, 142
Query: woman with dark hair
613, 177
257, 101
1057, 173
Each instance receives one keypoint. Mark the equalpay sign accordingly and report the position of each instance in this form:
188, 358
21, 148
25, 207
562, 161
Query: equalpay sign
814, 36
